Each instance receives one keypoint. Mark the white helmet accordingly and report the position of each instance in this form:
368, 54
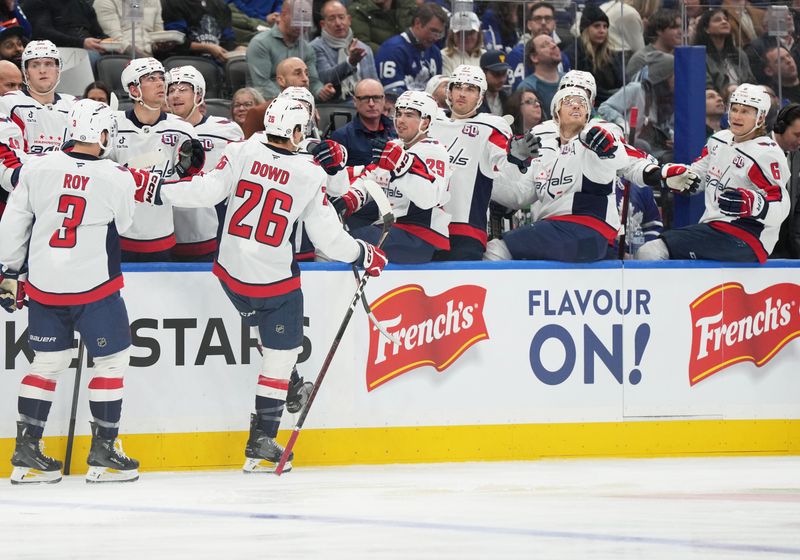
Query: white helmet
562, 94
421, 102
283, 115
188, 75
752, 96
581, 79
88, 120
470, 75
302, 94
136, 70
41, 49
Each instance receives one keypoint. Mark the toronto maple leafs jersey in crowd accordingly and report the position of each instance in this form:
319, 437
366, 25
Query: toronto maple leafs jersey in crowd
269, 190
64, 218
477, 151
196, 228
759, 165
402, 65
150, 147
418, 197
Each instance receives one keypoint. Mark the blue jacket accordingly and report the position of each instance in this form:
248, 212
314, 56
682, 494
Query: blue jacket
356, 138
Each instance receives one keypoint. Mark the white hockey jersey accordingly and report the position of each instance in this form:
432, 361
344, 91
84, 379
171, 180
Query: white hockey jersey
64, 217
269, 190
196, 228
570, 183
418, 197
759, 165
150, 147
477, 152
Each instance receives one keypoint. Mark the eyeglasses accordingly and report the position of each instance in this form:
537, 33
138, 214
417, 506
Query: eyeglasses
244, 105
543, 19
368, 98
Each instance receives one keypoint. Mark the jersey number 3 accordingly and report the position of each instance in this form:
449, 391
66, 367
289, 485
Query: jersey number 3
74, 208
271, 225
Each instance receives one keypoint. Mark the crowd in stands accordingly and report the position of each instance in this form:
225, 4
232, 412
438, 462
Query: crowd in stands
357, 56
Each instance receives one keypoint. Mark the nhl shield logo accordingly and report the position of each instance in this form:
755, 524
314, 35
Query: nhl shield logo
101, 342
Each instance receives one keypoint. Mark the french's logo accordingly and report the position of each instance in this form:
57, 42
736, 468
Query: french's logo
730, 326
431, 330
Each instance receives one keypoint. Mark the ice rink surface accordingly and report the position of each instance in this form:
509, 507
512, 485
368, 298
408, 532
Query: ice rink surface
695, 508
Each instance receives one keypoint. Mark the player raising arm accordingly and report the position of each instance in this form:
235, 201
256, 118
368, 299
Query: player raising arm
271, 187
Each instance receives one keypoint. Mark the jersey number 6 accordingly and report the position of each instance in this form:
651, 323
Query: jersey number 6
74, 207
271, 226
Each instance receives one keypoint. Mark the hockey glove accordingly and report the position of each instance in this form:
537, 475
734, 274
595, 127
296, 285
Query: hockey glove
330, 155
148, 186
372, 258
522, 149
12, 291
743, 203
191, 158
352, 201
393, 158
599, 140
679, 178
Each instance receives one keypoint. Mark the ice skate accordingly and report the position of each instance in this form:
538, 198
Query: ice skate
108, 462
31, 465
297, 396
262, 452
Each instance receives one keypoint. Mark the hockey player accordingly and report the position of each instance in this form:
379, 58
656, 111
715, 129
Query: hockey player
573, 179
34, 119
744, 176
414, 172
476, 144
149, 138
270, 187
63, 218
196, 228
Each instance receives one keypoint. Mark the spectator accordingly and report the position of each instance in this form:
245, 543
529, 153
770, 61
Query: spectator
291, 72
541, 21
758, 47
663, 33
375, 21
10, 77
206, 23
526, 109
249, 17
464, 42
390, 98
494, 66
747, 22
11, 46
725, 64
342, 60
282, 41
787, 136
9, 9
592, 52
545, 56
787, 69
408, 60
369, 123
500, 22
98, 91
715, 108
112, 16
625, 25
437, 88
244, 99
68, 23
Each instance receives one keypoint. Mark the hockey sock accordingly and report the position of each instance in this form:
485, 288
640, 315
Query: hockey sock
105, 403
269, 412
35, 398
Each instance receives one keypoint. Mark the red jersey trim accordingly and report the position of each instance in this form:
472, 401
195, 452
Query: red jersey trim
147, 246
498, 139
308, 256
95, 294
466, 230
196, 248
427, 235
753, 242
596, 224
21, 124
256, 290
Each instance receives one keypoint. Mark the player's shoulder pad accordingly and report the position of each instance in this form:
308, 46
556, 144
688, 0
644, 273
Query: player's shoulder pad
723, 136
493, 121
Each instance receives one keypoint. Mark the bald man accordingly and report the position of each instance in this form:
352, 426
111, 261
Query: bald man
292, 72
10, 77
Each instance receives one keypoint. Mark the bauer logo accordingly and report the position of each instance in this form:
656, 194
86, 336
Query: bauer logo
429, 330
730, 326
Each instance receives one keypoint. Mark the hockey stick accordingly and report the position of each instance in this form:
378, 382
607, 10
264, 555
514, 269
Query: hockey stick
388, 220
76, 389
626, 196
